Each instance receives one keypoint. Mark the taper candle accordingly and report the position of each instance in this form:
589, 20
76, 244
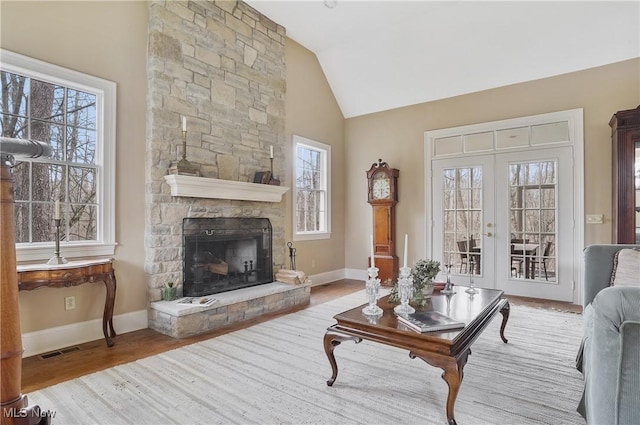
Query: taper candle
184, 123
57, 210
271, 151
373, 263
406, 245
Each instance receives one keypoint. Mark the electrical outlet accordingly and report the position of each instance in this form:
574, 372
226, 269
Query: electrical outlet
313, 264
69, 303
595, 218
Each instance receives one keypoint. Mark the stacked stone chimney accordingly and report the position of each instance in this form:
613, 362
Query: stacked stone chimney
221, 65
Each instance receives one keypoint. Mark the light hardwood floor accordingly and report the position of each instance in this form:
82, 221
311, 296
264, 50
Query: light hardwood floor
41, 371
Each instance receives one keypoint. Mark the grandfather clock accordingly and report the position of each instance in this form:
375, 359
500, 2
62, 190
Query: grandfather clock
383, 197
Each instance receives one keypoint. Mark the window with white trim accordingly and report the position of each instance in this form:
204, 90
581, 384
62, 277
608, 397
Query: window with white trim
312, 217
75, 114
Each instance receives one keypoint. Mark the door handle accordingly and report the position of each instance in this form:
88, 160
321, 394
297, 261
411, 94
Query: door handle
488, 234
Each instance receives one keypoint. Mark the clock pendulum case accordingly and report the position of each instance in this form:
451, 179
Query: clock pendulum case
383, 197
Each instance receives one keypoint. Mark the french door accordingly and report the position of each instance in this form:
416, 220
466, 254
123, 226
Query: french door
506, 221
505, 205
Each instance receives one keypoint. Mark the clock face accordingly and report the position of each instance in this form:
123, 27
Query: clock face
381, 187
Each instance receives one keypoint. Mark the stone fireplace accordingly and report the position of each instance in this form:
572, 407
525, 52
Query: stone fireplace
224, 254
221, 65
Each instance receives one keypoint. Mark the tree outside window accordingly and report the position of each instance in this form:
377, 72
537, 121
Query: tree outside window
311, 215
71, 118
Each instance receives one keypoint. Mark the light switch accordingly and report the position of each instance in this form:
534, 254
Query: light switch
595, 218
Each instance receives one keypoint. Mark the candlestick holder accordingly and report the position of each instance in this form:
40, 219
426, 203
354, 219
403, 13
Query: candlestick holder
183, 166
57, 259
372, 285
472, 287
405, 290
272, 179
448, 287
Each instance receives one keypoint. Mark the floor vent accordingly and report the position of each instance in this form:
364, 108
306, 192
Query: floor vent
59, 352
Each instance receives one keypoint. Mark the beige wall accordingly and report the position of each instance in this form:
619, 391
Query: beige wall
397, 136
313, 112
112, 45
116, 50
107, 40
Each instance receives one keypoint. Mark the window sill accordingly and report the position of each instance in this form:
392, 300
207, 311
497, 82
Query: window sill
43, 252
312, 236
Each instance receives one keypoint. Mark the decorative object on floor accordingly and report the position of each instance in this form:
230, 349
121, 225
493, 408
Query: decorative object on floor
57, 259
372, 286
294, 277
184, 167
292, 256
169, 292
262, 378
405, 291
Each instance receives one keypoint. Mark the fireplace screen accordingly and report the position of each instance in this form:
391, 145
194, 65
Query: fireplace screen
223, 254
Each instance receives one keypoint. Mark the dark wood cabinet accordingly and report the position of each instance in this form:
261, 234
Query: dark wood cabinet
625, 136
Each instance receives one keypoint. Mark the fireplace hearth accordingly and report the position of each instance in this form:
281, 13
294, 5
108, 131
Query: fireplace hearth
225, 254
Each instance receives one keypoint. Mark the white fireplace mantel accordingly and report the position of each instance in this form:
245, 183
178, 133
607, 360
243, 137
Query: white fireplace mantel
203, 187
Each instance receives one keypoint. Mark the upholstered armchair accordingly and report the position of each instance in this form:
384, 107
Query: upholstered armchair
610, 355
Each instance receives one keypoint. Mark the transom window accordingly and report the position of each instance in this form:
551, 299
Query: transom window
312, 177
74, 113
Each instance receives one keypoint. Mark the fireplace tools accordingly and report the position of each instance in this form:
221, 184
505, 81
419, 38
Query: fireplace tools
292, 256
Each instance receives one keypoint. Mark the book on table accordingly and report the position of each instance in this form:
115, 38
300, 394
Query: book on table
429, 321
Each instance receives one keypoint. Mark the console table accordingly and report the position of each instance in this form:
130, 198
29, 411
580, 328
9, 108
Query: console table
74, 273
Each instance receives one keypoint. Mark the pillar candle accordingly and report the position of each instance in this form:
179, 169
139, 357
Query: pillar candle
373, 264
57, 210
406, 244
184, 123
271, 151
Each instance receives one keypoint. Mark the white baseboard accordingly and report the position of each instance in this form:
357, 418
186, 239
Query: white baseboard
356, 274
332, 276
78, 333
326, 277
52, 339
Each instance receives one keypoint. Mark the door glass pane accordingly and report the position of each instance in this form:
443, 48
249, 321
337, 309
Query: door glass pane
533, 213
462, 213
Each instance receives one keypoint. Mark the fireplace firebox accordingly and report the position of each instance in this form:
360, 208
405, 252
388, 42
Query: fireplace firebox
224, 254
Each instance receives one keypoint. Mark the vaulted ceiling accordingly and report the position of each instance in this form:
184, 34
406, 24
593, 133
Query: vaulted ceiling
380, 55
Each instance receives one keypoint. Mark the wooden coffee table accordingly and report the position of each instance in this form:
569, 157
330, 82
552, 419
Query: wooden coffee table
447, 350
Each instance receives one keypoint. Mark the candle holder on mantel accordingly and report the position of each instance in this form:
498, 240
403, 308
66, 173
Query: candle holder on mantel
184, 167
372, 285
57, 259
272, 180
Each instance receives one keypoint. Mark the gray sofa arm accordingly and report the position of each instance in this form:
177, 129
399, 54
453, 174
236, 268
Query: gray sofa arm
612, 357
598, 265
628, 409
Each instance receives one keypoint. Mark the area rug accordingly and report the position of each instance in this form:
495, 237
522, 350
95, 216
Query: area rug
275, 373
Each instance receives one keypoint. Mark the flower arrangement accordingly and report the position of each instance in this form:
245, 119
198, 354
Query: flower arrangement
422, 274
